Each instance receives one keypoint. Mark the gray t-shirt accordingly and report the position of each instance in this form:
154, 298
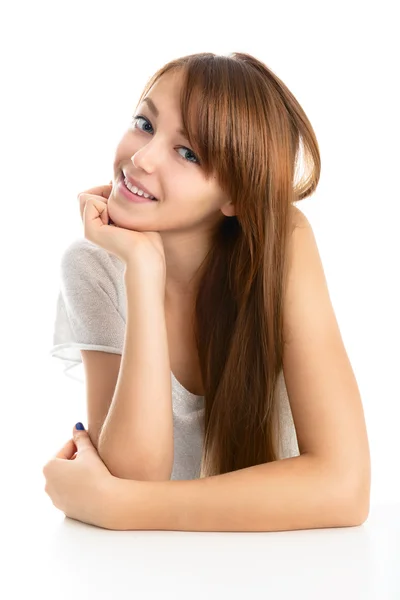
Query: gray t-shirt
91, 315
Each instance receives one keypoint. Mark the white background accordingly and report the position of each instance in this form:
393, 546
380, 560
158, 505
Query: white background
71, 75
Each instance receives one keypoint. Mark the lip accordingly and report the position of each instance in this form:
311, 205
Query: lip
128, 195
137, 184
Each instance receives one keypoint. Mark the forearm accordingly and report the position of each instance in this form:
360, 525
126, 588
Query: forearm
136, 440
295, 493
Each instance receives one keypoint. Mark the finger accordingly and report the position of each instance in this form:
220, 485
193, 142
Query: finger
103, 191
95, 214
100, 190
67, 451
83, 200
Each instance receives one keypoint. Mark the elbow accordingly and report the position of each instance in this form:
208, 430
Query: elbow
357, 504
362, 493
347, 488
341, 508
135, 473
139, 473
345, 493
358, 513
361, 505
142, 470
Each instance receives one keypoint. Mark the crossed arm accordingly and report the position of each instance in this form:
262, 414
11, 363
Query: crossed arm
328, 485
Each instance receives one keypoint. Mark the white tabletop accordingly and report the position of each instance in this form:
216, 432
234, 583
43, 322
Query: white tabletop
53, 557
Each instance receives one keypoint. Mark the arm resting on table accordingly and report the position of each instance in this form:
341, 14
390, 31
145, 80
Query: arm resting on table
294, 493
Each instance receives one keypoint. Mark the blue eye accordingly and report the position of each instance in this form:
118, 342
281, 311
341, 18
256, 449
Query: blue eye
190, 151
137, 118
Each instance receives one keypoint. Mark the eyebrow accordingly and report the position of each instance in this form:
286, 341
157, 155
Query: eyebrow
156, 112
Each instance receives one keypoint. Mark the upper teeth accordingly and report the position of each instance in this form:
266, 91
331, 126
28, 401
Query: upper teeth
137, 190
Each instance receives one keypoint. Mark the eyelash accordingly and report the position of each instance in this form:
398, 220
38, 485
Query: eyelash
137, 117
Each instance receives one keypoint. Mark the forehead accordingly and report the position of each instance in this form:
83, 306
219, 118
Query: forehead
167, 90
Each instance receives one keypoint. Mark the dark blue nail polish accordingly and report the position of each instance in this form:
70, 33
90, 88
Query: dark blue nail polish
79, 426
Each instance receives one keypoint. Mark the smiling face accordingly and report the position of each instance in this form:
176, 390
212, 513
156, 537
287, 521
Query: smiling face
165, 165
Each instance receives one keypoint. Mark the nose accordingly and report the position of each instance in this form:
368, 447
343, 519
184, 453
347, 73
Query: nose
148, 157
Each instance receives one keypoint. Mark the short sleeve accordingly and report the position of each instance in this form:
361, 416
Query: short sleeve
89, 312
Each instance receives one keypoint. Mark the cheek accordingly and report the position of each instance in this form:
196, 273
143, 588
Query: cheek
115, 211
123, 152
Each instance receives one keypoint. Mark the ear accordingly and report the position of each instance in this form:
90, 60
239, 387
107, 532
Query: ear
228, 209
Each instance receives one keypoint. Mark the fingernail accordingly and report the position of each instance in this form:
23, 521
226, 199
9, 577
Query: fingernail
79, 426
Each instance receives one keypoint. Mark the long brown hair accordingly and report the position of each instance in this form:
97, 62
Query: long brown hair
247, 128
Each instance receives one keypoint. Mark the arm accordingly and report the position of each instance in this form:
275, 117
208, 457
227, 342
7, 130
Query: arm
136, 440
294, 493
328, 485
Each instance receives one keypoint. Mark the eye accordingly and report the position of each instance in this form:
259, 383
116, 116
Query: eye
191, 152
138, 118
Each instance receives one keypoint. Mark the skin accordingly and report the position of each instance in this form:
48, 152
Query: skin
189, 206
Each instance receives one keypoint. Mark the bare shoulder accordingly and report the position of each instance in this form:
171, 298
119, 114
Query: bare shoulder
303, 254
298, 218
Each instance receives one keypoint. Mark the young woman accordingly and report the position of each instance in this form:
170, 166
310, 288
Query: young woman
220, 395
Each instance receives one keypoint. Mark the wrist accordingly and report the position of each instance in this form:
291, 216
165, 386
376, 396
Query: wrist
108, 499
136, 505
140, 276
136, 265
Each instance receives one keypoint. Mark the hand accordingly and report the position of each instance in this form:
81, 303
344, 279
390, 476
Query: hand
80, 488
103, 191
144, 248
